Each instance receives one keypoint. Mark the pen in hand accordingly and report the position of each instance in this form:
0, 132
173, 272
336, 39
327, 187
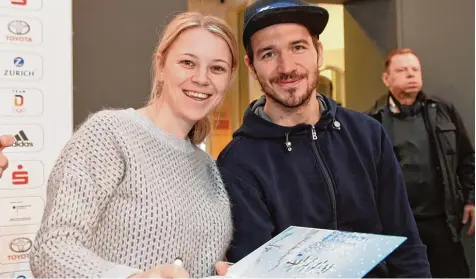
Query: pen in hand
178, 262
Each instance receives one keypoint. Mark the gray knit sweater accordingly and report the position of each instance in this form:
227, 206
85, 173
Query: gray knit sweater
125, 196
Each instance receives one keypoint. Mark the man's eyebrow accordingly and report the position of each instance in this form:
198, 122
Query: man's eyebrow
263, 49
301, 41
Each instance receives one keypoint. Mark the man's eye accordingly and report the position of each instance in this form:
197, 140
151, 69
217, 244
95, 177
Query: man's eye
267, 55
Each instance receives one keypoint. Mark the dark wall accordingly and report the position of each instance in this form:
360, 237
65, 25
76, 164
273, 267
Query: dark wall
378, 19
363, 66
112, 50
442, 34
369, 32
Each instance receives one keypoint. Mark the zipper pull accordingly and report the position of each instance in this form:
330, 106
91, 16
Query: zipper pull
288, 143
314, 134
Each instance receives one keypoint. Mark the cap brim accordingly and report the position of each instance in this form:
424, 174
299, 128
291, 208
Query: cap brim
313, 17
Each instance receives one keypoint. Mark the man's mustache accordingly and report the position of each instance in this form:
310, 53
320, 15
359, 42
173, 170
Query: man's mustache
285, 77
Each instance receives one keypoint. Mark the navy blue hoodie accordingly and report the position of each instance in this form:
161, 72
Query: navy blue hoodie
338, 174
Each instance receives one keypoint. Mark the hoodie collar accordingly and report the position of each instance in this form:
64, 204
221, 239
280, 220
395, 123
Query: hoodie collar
258, 107
258, 125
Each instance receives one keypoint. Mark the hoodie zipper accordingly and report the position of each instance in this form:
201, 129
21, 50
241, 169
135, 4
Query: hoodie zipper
327, 177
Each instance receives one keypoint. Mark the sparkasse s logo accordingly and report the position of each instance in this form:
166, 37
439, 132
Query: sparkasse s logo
24, 174
20, 176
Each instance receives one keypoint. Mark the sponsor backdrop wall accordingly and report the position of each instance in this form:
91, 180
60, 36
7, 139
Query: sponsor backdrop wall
35, 107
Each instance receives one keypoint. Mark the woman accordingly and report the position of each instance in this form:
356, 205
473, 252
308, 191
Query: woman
131, 192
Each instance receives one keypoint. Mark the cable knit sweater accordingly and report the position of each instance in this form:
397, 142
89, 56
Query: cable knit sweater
125, 196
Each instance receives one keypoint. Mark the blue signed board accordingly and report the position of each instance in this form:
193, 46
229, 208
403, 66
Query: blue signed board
307, 252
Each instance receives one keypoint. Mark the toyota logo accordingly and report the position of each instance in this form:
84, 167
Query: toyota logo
20, 245
18, 27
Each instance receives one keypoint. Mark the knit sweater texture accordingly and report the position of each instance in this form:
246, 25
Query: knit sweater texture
125, 196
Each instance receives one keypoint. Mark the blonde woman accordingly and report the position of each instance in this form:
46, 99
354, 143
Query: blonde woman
131, 192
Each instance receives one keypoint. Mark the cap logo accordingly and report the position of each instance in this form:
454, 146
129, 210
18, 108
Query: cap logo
281, 4
263, 9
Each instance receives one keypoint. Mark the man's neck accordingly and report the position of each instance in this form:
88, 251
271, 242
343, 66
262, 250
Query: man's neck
308, 113
405, 99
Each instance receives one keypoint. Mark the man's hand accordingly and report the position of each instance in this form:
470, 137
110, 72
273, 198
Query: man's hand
222, 268
163, 271
469, 213
5, 141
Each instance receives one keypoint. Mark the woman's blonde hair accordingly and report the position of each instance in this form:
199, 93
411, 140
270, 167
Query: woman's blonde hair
178, 25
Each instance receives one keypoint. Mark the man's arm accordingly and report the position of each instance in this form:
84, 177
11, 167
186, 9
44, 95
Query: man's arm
251, 220
465, 168
410, 259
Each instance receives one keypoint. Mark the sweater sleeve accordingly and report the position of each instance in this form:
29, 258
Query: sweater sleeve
80, 184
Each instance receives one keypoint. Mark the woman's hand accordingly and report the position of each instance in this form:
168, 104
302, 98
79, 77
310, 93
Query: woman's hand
222, 268
163, 271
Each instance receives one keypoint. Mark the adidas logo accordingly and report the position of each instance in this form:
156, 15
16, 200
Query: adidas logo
21, 140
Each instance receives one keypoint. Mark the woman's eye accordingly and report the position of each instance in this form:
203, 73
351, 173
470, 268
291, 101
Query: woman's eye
219, 69
187, 63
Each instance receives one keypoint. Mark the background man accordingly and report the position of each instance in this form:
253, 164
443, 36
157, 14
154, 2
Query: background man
437, 160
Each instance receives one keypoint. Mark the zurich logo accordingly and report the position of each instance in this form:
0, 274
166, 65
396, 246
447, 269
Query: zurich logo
18, 61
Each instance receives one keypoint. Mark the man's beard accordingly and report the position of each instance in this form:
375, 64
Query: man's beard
290, 100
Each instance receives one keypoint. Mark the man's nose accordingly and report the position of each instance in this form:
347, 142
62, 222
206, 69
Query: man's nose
286, 64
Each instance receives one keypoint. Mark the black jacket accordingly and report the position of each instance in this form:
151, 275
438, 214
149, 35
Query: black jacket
455, 155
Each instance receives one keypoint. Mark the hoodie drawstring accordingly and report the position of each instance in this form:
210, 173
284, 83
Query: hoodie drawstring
288, 143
